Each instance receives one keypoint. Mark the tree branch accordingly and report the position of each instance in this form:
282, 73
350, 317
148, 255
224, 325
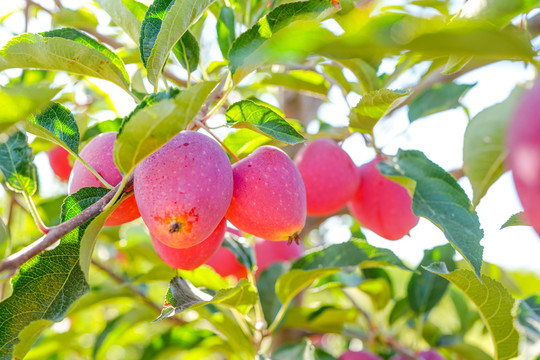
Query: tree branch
56, 232
120, 280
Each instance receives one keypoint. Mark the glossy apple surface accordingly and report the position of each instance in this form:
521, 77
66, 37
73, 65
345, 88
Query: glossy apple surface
382, 205
329, 176
98, 153
523, 145
269, 198
184, 189
192, 257
59, 160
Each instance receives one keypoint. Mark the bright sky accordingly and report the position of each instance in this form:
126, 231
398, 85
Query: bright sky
439, 136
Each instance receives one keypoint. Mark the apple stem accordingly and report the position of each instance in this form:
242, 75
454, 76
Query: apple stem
202, 125
35, 215
260, 323
120, 191
92, 170
233, 231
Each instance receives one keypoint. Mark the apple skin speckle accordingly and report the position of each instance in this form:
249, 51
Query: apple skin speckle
183, 191
269, 198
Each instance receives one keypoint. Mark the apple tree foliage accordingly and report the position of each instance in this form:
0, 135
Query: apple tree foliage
259, 69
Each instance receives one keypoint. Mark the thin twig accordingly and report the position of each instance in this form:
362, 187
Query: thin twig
119, 279
175, 79
103, 38
202, 125
457, 173
366, 316
56, 232
27, 14
205, 113
35, 215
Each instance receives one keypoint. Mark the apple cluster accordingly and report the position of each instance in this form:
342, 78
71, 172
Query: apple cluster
187, 190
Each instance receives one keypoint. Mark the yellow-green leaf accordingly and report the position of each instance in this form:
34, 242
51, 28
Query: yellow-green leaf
494, 303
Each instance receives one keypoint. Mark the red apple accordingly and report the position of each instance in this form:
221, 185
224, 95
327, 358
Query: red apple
329, 175
269, 197
523, 145
98, 153
59, 160
192, 257
382, 205
184, 189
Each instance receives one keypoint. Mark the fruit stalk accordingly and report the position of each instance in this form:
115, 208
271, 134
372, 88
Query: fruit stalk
93, 171
35, 215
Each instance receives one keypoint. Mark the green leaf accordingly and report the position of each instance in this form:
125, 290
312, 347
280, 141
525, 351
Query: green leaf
468, 351
528, 316
426, 289
250, 41
365, 74
204, 276
247, 114
378, 290
118, 326
296, 280
138, 10
467, 316
307, 81
438, 98
303, 351
266, 286
186, 51
82, 18
474, 38
484, 144
225, 30
150, 100
494, 303
455, 64
182, 295
16, 165
29, 336
439, 198
348, 256
56, 124
241, 249
102, 127
4, 239
336, 73
399, 311
123, 17
325, 319
20, 101
154, 125
428, 37
64, 50
228, 326
244, 141
164, 24
498, 12
372, 107
517, 219
54, 279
